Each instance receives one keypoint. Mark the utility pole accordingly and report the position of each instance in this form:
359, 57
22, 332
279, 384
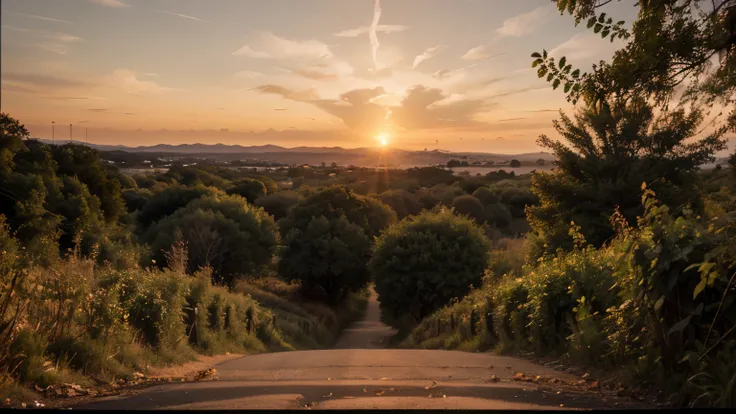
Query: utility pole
86, 134
52, 132
70, 133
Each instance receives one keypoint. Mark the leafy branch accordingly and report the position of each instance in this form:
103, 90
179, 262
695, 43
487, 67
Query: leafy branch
560, 73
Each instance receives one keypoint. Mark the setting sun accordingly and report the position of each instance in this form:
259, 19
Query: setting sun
383, 139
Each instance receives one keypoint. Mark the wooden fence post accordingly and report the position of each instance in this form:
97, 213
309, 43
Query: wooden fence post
472, 322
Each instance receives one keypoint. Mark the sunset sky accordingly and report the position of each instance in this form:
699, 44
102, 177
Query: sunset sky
447, 74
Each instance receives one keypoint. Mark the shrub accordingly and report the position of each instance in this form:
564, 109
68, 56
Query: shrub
470, 185
328, 254
471, 207
136, 199
278, 204
367, 213
248, 188
402, 202
423, 262
168, 201
498, 214
223, 232
486, 196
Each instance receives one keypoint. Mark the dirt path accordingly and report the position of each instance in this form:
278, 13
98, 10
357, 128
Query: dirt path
370, 333
360, 375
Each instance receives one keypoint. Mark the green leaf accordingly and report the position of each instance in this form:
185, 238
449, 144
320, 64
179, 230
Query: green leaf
562, 62
699, 288
555, 84
535, 63
605, 33
602, 18
658, 304
598, 27
680, 326
541, 72
621, 23
536, 55
561, 5
591, 22
550, 77
568, 85
576, 73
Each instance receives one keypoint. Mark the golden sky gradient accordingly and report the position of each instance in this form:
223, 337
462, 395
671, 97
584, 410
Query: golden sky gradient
448, 74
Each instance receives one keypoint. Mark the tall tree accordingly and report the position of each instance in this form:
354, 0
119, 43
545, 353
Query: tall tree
674, 46
611, 149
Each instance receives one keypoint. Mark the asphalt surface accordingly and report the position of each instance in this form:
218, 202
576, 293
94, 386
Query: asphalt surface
358, 374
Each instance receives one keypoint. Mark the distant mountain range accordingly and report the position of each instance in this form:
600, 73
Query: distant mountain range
343, 156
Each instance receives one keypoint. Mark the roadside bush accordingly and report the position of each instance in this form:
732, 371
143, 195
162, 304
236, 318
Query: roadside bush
371, 215
331, 255
423, 262
222, 232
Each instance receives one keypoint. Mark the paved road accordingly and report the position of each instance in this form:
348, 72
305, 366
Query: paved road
361, 375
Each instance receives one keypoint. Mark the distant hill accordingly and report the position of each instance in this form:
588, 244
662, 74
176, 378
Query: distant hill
316, 155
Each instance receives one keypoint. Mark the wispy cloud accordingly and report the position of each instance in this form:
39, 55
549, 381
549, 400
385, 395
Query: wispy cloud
129, 80
510, 119
329, 70
247, 74
247, 51
427, 54
267, 45
183, 16
479, 53
34, 16
309, 59
373, 33
52, 41
301, 96
111, 3
520, 90
383, 28
525, 23
585, 46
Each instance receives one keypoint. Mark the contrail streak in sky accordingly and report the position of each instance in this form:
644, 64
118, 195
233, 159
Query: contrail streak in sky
373, 33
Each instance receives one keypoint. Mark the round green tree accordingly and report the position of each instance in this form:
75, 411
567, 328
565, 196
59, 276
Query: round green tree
423, 262
279, 203
486, 196
402, 202
327, 254
470, 206
248, 188
369, 214
169, 200
221, 231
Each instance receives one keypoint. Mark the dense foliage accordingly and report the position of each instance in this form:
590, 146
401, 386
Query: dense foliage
612, 149
369, 214
327, 254
423, 262
222, 232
